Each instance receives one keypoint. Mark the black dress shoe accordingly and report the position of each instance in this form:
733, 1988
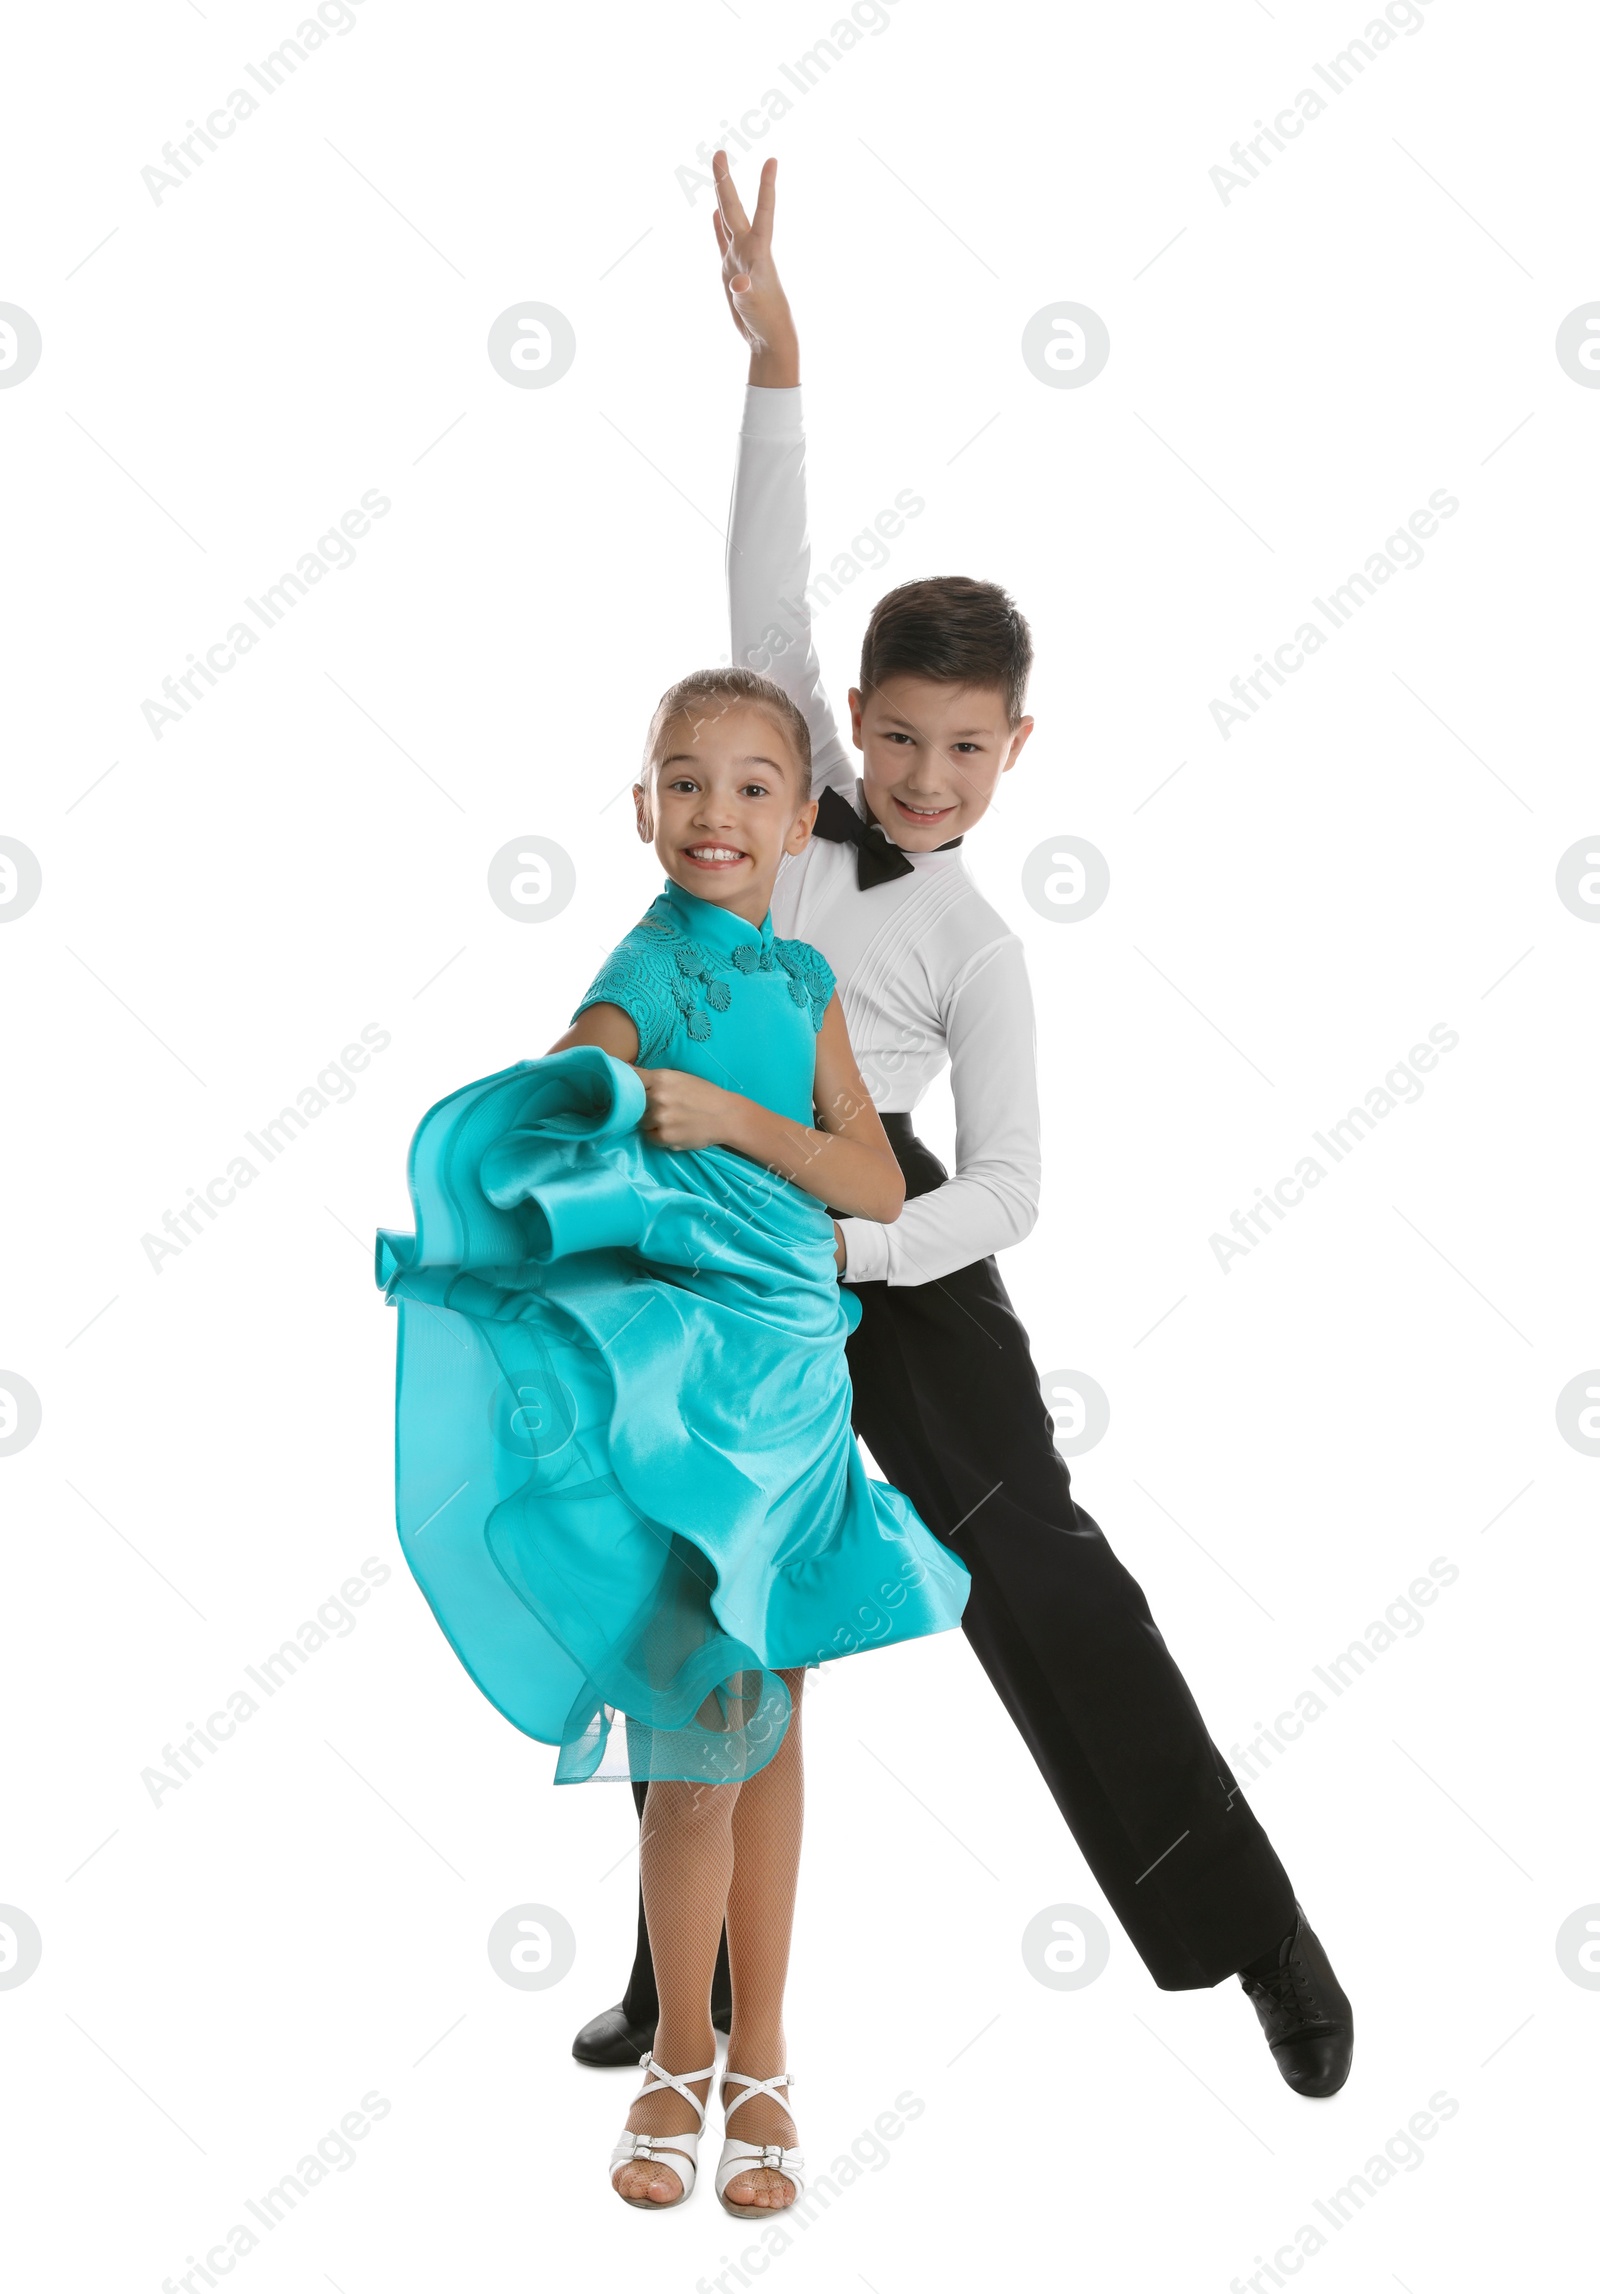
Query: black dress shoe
612, 2041
1304, 2012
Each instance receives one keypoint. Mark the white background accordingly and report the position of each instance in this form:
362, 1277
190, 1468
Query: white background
1292, 1441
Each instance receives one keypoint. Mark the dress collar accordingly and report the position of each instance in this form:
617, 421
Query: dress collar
714, 927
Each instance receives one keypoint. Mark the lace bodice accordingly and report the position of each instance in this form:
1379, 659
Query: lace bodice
721, 998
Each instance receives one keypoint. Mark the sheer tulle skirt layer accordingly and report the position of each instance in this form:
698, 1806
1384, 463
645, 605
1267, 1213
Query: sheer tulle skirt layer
624, 1473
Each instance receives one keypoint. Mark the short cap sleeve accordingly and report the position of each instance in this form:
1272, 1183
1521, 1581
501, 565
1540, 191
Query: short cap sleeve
811, 979
640, 982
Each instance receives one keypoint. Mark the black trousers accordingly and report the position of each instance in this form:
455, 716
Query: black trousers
947, 1399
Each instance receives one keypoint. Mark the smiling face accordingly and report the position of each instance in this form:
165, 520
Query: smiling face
723, 805
932, 755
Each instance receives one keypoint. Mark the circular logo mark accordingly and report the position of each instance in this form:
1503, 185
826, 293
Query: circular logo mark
531, 1947
534, 1419
20, 879
20, 345
1578, 1413
1078, 1407
1578, 879
1066, 879
20, 1947
1578, 345
1066, 345
531, 879
1578, 1946
532, 345
21, 1413
1065, 1946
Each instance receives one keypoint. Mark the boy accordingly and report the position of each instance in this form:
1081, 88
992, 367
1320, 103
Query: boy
945, 1393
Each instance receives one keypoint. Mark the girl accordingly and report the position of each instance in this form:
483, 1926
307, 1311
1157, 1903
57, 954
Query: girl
625, 1477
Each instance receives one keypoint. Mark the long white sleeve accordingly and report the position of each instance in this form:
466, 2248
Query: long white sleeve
926, 969
993, 1199
769, 569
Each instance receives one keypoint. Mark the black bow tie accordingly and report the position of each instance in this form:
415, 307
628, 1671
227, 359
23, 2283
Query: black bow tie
878, 860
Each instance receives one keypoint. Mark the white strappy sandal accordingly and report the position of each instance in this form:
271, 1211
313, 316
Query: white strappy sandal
679, 2152
741, 2158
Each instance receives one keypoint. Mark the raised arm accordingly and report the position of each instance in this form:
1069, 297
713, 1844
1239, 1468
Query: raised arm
769, 549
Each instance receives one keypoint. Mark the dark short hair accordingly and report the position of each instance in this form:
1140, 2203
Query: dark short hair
954, 630
711, 692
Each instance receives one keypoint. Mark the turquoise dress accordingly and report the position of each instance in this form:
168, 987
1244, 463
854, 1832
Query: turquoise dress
624, 1472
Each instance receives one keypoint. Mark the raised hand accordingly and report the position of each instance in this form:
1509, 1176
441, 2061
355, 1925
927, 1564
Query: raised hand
756, 300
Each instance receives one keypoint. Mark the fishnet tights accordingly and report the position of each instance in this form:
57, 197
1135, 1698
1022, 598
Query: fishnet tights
709, 1852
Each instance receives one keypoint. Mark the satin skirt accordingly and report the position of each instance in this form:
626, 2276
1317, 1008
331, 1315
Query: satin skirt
624, 1473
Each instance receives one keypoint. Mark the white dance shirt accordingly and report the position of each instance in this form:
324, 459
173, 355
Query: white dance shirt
928, 973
